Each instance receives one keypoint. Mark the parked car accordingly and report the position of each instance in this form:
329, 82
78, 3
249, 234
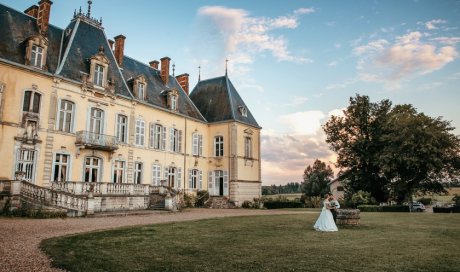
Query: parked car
417, 206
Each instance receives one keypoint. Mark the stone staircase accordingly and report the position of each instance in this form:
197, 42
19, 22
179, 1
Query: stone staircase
219, 202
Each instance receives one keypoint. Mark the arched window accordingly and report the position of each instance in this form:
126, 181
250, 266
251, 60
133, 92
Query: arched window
66, 114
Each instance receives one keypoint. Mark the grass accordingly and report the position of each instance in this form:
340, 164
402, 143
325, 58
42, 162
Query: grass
383, 242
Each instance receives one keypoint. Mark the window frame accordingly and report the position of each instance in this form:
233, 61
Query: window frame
118, 172
156, 175
98, 76
59, 164
66, 112
32, 101
138, 172
122, 137
139, 132
22, 164
91, 168
248, 148
218, 146
93, 119
36, 56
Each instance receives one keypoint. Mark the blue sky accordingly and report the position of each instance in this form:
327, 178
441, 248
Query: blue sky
296, 62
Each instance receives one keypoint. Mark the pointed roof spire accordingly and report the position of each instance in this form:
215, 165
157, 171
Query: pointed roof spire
89, 9
226, 62
199, 73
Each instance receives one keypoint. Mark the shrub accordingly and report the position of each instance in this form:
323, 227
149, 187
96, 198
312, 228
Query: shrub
425, 201
311, 201
247, 204
282, 204
455, 209
201, 198
456, 199
370, 208
189, 200
362, 198
395, 208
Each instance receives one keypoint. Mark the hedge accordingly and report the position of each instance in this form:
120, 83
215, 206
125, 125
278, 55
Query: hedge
282, 204
375, 208
455, 209
369, 208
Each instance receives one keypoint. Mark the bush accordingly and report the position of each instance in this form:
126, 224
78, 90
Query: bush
189, 200
282, 204
370, 208
311, 201
456, 199
362, 198
395, 208
425, 201
201, 198
247, 204
455, 209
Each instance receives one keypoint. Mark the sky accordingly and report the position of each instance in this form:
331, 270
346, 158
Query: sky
295, 62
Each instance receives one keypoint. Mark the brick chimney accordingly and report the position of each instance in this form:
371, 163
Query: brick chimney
183, 82
154, 64
111, 42
119, 49
43, 16
165, 69
32, 11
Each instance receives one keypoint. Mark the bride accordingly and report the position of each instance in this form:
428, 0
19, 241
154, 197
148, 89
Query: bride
325, 220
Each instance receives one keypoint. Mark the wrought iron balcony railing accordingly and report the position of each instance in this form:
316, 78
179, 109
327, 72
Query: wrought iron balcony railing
93, 140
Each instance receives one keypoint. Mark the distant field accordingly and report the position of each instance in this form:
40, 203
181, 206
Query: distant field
288, 196
445, 198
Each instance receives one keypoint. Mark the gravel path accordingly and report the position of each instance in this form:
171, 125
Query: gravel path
20, 238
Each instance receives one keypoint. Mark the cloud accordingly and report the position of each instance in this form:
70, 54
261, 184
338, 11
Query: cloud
430, 25
447, 40
333, 63
302, 123
227, 32
407, 56
297, 101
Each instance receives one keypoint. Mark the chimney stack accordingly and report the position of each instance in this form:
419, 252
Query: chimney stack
119, 49
111, 42
165, 69
32, 11
183, 82
154, 64
43, 16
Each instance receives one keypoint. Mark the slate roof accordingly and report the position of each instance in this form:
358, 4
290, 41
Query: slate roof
218, 100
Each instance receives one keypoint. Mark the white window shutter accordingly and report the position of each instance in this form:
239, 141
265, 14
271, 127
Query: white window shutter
200, 182
171, 139
165, 175
152, 135
190, 178
179, 177
210, 181
179, 149
163, 138
200, 145
226, 183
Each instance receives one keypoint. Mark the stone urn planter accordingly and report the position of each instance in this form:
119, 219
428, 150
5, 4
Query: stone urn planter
348, 217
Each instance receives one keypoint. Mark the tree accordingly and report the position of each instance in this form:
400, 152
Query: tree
383, 149
356, 137
316, 179
420, 152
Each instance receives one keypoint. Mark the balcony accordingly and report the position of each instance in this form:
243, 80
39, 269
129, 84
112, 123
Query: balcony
91, 140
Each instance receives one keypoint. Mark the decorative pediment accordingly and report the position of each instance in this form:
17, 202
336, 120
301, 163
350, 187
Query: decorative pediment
248, 131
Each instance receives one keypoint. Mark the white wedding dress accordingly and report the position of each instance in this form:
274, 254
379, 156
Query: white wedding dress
325, 220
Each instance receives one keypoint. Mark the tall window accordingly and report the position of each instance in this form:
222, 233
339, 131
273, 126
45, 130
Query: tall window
197, 144
219, 146
141, 90
61, 167
175, 140
173, 176
118, 171
36, 58
159, 136
96, 122
66, 109
248, 147
156, 175
92, 169
26, 163
31, 102
173, 102
140, 132
138, 172
98, 78
122, 128
195, 179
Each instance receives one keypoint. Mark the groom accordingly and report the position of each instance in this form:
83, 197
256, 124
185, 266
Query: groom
336, 205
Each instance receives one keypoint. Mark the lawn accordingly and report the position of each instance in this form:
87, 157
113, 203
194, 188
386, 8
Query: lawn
383, 242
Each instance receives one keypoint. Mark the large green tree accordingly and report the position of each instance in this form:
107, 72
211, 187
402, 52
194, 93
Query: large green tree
383, 149
316, 179
356, 137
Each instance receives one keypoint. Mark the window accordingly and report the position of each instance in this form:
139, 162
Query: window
175, 140
61, 167
197, 144
118, 171
248, 147
219, 146
98, 78
218, 183
31, 102
195, 179
92, 169
36, 57
158, 141
173, 102
66, 109
173, 176
96, 122
138, 172
243, 111
141, 90
26, 163
156, 175
140, 132
122, 128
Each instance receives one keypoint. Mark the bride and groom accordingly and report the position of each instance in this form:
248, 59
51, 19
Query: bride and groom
326, 220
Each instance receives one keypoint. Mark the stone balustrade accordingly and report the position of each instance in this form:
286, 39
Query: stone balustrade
101, 188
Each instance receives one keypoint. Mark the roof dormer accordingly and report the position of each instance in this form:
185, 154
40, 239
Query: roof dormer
36, 50
140, 87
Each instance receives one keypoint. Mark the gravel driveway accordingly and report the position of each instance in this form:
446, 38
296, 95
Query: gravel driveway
20, 238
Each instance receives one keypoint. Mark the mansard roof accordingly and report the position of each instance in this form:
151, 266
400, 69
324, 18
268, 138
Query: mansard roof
218, 100
155, 94
16, 28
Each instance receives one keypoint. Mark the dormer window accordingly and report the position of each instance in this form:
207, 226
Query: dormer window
98, 78
173, 102
140, 87
173, 99
36, 47
243, 111
36, 58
